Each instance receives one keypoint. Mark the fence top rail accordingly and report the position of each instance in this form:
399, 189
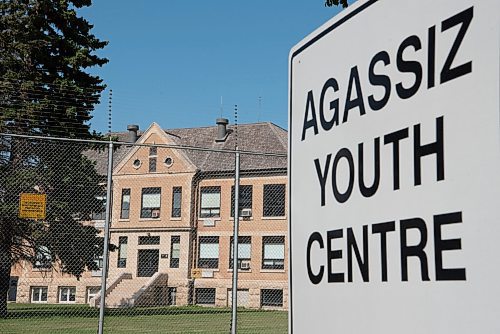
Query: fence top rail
182, 147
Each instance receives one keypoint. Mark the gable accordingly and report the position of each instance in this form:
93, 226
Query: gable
152, 148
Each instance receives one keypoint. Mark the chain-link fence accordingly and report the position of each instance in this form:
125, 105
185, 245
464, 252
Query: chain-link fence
169, 212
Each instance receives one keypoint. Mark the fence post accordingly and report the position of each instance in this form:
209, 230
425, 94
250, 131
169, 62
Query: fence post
235, 242
105, 259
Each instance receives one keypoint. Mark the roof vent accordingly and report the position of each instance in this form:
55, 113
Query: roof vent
132, 132
221, 129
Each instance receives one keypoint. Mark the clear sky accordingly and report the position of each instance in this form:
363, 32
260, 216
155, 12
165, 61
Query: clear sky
171, 61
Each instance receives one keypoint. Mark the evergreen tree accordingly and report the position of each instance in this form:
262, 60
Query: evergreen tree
45, 90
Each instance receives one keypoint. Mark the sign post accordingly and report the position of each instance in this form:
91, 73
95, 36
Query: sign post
394, 170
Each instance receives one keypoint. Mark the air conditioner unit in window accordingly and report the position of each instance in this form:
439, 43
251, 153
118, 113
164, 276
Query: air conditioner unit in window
245, 265
246, 213
155, 214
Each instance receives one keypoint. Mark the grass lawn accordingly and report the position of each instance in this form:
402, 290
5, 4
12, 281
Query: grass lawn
80, 319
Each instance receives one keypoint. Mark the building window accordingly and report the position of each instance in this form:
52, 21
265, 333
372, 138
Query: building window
92, 292
271, 297
149, 240
209, 252
176, 201
244, 253
150, 206
245, 201
152, 165
122, 252
175, 251
274, 200
273, 252
153, 150
98, 260
210, 202
205, 296
67, 294
169, 161
43, 259
99, 212
125, 211
39, 294
137, 163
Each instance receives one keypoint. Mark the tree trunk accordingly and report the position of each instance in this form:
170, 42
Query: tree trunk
5, 267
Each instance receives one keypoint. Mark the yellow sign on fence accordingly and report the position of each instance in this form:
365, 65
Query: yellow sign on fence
32, 206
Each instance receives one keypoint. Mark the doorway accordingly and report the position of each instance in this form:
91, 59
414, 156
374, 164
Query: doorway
147, 262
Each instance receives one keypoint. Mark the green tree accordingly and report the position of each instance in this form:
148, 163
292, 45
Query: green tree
46, 90
330, 3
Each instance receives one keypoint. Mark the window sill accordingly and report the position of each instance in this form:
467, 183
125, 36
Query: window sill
241, 219
175, 218
240, 270
124, 220
273, 271
274, 218
149, 219
215, 270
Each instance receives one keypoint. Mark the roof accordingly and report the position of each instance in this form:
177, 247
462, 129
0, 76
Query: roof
262, 137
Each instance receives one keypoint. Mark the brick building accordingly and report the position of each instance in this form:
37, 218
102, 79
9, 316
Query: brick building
172, 221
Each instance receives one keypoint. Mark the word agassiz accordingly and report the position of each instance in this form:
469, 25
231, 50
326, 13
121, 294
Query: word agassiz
448, 71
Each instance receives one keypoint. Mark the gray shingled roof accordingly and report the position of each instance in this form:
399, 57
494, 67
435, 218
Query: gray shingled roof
255, 137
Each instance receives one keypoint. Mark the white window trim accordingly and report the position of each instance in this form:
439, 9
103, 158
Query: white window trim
39, 288
60, 295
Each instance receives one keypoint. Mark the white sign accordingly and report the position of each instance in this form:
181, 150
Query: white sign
395, 170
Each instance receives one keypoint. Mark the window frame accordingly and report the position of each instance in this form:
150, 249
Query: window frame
202, 291
245, 201
69, 294
208, 263
101, 214
148, 240
148, 212
277, 263
122, 260
88, 295
152, 161
40, 294
247, 240
274, 208
125, 192
214, 211
174, 261
176, 211
264, 295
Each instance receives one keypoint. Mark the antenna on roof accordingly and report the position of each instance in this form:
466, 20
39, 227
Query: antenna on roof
260, 109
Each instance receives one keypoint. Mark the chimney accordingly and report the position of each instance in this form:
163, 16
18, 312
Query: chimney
132, 132
221, 129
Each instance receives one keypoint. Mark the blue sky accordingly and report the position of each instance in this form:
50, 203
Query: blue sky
172, 60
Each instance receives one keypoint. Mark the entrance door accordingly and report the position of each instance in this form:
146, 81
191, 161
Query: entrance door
12, 295
147, 262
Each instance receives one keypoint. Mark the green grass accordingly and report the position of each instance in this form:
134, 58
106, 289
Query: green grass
81, 319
